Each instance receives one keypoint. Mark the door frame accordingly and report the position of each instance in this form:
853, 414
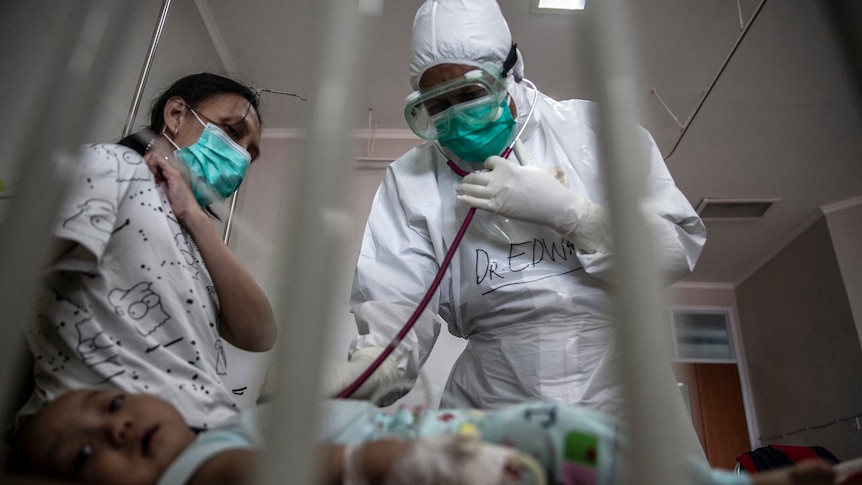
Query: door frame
740, 359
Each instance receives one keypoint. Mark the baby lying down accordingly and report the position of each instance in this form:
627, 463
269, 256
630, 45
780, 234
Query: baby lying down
101, 436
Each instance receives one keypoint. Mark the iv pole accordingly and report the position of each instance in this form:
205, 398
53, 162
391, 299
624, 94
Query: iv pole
139, 90
145, 70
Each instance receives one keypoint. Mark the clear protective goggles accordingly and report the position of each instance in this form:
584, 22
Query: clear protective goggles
475, 97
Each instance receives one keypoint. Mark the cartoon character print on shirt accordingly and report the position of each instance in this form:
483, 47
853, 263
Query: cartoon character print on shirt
141, 171
188, 250
98, 350
100, 213
142, 307
221, 358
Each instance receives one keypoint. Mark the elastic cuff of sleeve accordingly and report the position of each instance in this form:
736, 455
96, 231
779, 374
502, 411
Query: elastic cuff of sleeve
381, 386
388, 370
366, 354
590, 233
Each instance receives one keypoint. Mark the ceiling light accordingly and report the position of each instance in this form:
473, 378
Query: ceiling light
734, 208
560, 4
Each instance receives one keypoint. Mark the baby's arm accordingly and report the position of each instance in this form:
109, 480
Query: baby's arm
237, 466
229, 467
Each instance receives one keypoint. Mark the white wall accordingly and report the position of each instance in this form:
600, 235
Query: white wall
185, 48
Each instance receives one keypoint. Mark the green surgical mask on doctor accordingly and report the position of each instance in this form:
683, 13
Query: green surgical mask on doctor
476, 141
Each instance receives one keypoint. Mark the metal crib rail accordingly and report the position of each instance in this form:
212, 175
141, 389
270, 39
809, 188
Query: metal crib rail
653, 419
70, 92
313, 237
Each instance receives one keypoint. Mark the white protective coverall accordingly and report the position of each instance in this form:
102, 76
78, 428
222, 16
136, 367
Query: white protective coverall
533, 307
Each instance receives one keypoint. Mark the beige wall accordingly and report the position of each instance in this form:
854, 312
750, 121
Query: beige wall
798, 321
803, 354
845, 226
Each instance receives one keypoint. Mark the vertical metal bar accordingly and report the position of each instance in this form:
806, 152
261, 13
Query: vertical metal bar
319, 228
652, 429
230, 214
88, 46
145, 69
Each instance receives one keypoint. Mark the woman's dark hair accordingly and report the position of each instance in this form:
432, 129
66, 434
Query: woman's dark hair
194, 89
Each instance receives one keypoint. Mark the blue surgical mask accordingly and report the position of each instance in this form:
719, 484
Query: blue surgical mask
217, 164
475, 143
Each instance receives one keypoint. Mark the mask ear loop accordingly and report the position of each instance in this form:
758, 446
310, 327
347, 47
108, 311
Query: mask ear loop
164, 132
177, 130
171, 141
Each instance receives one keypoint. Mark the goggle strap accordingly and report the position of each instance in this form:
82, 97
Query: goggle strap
511, 59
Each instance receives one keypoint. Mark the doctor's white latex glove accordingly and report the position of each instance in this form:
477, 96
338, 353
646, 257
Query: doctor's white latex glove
529, 193
337, 375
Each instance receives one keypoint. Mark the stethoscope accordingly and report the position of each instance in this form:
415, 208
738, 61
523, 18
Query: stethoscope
444, 265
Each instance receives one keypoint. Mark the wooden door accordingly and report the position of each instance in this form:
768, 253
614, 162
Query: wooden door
717, 410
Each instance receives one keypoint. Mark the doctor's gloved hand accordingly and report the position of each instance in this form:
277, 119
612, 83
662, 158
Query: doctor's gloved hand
337, 375
531, 194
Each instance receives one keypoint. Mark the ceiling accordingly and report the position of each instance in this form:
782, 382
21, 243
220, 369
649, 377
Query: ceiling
746, 99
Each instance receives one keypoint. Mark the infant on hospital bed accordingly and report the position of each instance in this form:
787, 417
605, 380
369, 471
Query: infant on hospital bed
106, 436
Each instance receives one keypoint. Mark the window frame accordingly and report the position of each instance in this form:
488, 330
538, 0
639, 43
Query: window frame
730, 324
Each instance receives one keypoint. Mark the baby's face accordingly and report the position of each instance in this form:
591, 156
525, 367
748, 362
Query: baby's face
105, 437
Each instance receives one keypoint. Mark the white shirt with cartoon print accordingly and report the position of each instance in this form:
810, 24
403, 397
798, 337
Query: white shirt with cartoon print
132, 306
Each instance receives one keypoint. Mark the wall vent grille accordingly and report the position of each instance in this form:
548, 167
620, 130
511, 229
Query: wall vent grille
733, 208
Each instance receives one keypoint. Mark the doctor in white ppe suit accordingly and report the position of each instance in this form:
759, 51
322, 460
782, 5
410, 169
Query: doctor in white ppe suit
528, 287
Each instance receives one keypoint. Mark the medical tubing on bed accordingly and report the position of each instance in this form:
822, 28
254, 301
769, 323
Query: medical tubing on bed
349, 390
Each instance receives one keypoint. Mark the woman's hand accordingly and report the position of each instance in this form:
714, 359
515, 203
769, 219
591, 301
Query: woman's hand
174, 178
